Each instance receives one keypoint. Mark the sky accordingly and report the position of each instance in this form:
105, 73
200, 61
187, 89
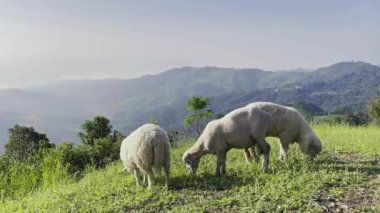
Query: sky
42, 42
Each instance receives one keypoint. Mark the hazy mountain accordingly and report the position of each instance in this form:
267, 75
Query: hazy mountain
350, 93
59, 110
296, 70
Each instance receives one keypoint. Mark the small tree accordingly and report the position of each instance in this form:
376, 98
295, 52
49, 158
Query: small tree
154, 121
374, 110
196, 106
25, 142
96, 129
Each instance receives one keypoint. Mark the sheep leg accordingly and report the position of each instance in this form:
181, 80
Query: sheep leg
150, 179
251, 154
284, 145
145, 179
283, 150
254, 154
265, 147
221, 163
258, 149
136, 173
247, 155
167, 170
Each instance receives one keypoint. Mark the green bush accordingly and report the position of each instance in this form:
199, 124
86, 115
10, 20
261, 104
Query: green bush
105, 151
347, 119
77, 158
374, 110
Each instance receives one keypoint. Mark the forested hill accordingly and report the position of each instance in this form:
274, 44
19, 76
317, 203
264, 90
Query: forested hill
58, 110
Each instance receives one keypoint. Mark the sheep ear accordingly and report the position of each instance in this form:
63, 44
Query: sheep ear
189, 159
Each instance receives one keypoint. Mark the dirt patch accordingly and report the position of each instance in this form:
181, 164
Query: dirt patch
350, 157
340, 197
355, 199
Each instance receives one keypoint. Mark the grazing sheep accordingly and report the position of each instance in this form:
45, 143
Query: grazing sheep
146, 150
246, 128
289, 126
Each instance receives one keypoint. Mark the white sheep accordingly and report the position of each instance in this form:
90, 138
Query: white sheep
247, 127
146, 150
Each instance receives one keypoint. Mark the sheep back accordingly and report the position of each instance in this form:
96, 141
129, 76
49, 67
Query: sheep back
147, 148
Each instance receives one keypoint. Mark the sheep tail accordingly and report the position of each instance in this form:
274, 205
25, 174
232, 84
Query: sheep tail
161, 156
167, 157
158, 156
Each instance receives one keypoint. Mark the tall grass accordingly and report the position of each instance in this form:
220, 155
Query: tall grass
51, 167
363, 140
18, 178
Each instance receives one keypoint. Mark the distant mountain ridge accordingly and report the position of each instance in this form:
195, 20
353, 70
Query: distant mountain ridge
59, 110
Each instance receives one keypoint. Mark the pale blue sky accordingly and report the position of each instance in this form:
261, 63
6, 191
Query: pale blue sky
47, 41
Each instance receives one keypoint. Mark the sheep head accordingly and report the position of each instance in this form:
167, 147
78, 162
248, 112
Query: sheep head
191, 161
311, 146
314, 147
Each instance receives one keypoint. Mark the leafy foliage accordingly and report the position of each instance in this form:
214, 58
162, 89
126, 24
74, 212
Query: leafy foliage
351, 120
98, 128
101, 151
347, 119
24, 142
196, 105
374, 110
307, 109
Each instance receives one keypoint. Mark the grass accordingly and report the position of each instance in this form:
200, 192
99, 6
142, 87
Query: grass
17, 179
344, 177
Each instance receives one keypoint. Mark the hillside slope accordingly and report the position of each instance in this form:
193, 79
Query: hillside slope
58, 110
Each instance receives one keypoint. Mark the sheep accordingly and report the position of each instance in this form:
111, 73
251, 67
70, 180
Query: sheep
146, 150
247, 127
289, 126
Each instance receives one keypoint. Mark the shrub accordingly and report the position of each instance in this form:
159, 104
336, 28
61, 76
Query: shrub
374, 110
77, 158
347, 119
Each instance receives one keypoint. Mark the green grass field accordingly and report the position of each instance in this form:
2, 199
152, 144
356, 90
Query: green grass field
345, 177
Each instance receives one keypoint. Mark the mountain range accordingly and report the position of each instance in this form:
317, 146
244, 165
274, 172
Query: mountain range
58, 110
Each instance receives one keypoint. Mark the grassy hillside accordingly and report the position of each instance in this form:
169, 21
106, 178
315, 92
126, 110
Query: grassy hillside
345, 177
